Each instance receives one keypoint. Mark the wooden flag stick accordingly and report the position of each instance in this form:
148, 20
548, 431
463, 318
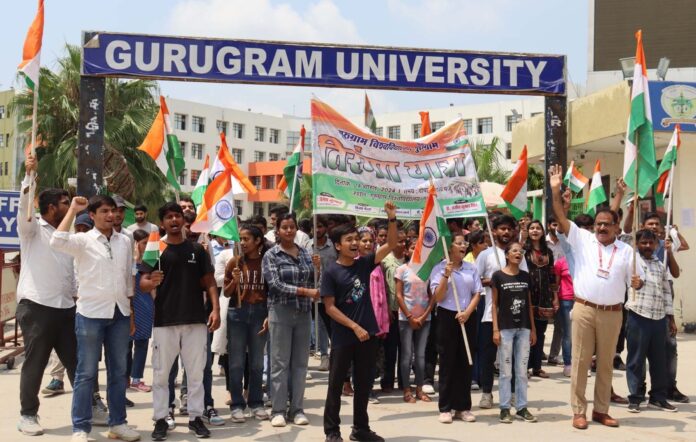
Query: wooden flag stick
316, 286
636, 215
670, 208
32, 175
456, 301
238, 252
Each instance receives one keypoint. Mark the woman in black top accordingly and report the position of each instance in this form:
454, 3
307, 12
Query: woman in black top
543, 290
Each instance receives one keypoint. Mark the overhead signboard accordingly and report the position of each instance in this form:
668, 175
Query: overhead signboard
9, 206
673, 102
312, 64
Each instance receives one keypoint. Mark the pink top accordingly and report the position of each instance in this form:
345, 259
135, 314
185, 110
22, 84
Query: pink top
566, 292
378, 296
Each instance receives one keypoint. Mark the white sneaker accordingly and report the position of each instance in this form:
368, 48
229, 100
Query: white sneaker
466, 416
171, 423
260, 413
308, 376
300, 419
445, 418
79, 436
486, 401
428, 389
100, 417
123, 432
29, 425
238, 416
278, 420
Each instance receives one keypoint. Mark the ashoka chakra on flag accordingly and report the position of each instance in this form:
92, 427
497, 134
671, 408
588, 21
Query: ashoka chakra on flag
224, 210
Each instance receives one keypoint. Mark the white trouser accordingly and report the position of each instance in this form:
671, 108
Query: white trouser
190, 341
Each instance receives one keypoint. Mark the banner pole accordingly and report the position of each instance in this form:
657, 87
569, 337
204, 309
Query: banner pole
636, 214
670, 208
456, 301
316, 286
32, 175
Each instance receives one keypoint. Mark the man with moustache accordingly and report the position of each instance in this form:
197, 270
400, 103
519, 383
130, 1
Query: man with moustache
603, 270
487, 264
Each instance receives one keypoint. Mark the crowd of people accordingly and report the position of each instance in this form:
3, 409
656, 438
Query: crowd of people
86, 296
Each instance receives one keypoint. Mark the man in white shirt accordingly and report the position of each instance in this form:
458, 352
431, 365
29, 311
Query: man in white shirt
45, 305
141, 221
603, 269
119, 216
103, 263
486, 263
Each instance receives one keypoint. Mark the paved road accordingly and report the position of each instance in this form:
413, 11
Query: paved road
393, 419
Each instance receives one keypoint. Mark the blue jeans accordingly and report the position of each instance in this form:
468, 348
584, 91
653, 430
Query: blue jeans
290, 331
91, 335
138, 357
566, 343
243, 326
408, 335
646, 338
514, 344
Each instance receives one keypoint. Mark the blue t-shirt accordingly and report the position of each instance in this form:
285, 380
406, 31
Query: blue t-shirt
350, 288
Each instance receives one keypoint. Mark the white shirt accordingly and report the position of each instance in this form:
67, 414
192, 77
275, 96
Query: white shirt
220, 263
47, 276
586, 281
146, 226
104, 271
555, 247
487, 265
129, 234
301, 239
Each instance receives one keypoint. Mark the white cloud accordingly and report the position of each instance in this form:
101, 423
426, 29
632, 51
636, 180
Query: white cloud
262, 19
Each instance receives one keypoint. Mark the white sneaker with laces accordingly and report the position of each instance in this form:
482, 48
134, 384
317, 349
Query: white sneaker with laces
445, 418
300, 419
100, 417
428, 389
260, 413
486, 401
123, 432
79, 436
278, 420
308, 376
238, 416
29, 425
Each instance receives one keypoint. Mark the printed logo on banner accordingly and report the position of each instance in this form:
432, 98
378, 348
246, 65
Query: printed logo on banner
679, 102
9, 206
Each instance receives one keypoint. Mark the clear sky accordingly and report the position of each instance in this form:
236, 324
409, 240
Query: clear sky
537, 26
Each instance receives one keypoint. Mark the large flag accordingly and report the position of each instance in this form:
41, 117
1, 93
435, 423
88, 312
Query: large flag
370, 121
225, 162
640, 146
425, 128
163, 146
153, 249
597, 194
515, 191
217, 215
429, 248
202, 183
575, 179
31, 54
292, 174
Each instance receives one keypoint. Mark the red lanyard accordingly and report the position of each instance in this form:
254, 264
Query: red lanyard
611, 260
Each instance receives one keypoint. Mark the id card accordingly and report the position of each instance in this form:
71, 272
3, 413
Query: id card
604, 274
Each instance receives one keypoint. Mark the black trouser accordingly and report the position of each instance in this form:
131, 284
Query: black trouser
487, 352
362, 355
455, 370
391, 353
44, 329
431, 351
536, 353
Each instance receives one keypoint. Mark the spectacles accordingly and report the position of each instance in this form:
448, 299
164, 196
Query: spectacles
600, 224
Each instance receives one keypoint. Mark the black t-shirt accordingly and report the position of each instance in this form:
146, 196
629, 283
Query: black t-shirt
513, 306
180, 298
350, 288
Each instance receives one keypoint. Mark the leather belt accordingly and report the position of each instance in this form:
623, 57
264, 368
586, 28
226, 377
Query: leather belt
609, 308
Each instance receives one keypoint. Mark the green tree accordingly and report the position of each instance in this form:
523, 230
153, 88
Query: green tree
535, 178
487, 160
130, 108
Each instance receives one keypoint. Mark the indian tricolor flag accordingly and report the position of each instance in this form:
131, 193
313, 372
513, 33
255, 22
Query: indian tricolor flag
515, 191
639, 154
163, 146
597, 195
31, 54
668, 161
292, 174
217, 215
153, 249
425, 128
225, 162
429, 248
370, 121
575, 179
202, 183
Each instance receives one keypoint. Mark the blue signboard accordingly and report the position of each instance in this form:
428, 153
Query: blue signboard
9, 206
311, 64
673, 102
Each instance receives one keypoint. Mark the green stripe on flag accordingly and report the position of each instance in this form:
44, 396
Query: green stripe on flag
174, 160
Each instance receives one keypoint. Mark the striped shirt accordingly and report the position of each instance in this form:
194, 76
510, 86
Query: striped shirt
284, 274
654, 300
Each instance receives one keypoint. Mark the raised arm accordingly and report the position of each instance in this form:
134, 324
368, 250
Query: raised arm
392, 233
618, 195
26, 227
62, 240
555, 181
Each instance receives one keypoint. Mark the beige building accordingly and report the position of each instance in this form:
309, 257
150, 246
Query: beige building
8, 155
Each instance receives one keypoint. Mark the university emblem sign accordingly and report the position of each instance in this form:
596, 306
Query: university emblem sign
673, 103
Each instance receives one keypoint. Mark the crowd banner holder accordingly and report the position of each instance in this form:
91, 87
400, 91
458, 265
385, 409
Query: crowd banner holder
456, 301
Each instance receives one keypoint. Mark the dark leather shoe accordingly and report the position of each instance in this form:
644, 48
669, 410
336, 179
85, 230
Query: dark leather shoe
604, 419
580, 421
615, 398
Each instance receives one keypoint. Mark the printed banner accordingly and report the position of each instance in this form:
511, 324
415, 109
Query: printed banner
314, 64
355, 172
9, 206
673, 103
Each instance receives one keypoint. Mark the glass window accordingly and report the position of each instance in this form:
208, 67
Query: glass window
238, 130
273, 157
508, 151
416, 130
258, 209
180, 121
256, 181
194, 176
394, 132
510, 120
196, 152
274, 136
269, 182
182, 177
221, 126
198, 124
467, 126
293, 137
182, 144
238, 207
379, 131
237, 155
2, 140
259, 133
259, 156
485, 125
2, 112
435, 125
